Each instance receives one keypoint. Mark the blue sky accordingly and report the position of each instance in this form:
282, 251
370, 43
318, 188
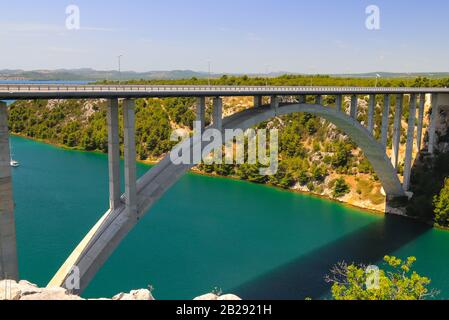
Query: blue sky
245, 36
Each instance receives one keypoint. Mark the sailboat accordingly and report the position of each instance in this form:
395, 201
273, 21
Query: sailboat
13, 163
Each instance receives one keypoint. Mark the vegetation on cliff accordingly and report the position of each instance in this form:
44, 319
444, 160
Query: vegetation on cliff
441, 203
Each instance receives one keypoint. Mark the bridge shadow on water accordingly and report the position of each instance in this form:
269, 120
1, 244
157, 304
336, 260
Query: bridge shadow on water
304, 277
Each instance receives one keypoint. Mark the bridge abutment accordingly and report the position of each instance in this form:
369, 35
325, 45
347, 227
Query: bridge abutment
8, 245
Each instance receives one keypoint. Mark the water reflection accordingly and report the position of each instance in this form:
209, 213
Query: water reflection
304, 277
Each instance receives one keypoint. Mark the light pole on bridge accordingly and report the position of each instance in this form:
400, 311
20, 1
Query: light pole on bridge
377, 79
209, 71
120, 69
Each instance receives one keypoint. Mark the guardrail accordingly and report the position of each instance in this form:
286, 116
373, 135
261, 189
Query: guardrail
17, 88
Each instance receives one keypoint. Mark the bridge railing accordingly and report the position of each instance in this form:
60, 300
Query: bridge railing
55, 88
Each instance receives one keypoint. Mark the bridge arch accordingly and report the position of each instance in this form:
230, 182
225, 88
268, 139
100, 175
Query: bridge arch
113, 227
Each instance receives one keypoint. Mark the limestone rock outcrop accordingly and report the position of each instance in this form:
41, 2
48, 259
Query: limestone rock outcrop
143, 294
24, 290
214, 297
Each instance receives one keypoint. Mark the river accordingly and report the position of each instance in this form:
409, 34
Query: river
252, 240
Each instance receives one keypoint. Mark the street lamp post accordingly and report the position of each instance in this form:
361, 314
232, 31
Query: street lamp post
209, 71
267, 72
377, 79
119, 69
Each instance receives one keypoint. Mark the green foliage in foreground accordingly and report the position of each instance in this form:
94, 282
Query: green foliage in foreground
397, 281
441, 204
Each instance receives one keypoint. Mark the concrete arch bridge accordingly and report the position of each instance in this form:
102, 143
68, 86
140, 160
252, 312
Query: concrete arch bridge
140, 195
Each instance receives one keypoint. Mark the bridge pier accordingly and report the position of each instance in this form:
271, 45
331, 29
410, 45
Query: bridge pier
371, 109
339, 102
302, 99
201, 112
397, 130
217, 113
319, 99
8, 246
113, 154
433, 122
385, 120
258, 101
274, 102
130, 157
354, 106
410, 140
422, 106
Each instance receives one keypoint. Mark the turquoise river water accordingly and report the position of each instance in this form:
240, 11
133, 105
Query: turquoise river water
252, 240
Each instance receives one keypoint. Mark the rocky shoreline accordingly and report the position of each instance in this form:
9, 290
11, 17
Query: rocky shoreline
24, 290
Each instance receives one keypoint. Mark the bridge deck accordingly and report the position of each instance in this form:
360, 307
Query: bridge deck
40, 91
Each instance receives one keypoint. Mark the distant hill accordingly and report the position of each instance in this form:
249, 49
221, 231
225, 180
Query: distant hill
395, 75
87, 74
95, 75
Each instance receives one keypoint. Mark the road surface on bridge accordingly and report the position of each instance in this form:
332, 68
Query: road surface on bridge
41, 91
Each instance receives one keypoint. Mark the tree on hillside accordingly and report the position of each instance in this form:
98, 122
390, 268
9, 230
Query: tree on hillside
341, 188
397, 281
441, 205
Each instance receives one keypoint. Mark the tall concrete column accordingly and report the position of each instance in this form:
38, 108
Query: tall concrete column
217, 114
8, 246
433, 123
422, 105
258, 101
113, 154
201, 112
354, 106
385, 119
302, 99
371, 109
130, 156
319, 99
339, 102
274, 102
410, 140
397, 130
